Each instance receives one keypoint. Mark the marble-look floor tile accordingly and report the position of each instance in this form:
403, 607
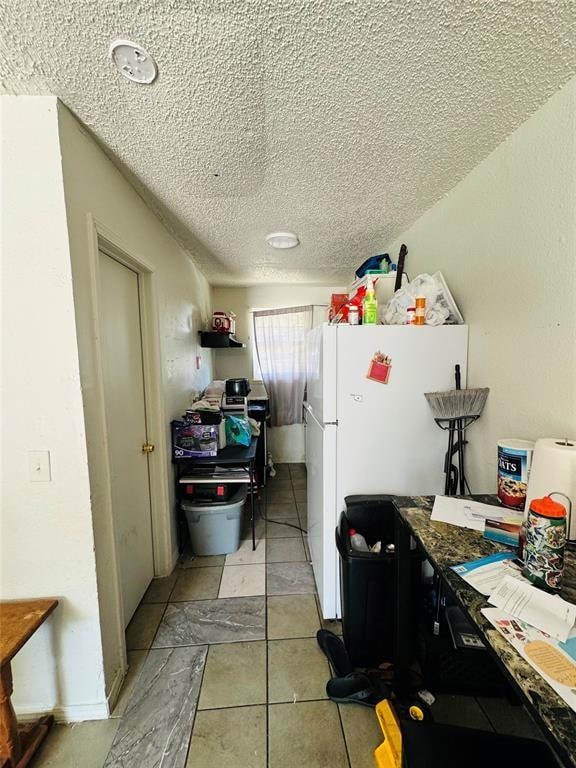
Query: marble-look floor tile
297, 670
160, 589
289, 579
259, 528
235, 675
143, 625
212, 621
202, 562
362, 733
229, 738
281, 511
197, 584
281, 531
135, 663
155, 729
78, 744
243, 580
281, 483
292, 742
286, 551
245, 555
280, 496
282, 469
292, 616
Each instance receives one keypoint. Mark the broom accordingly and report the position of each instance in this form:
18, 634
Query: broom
456, 409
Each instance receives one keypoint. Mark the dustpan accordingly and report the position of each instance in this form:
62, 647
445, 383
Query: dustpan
389, 753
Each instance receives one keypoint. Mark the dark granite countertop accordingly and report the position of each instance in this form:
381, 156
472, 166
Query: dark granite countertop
448, 545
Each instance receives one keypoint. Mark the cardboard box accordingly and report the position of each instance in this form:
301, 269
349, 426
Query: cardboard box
194, 440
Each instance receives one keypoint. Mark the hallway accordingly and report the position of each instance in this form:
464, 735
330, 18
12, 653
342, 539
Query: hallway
224, 665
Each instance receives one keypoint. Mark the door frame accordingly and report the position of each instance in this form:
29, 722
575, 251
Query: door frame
101, 238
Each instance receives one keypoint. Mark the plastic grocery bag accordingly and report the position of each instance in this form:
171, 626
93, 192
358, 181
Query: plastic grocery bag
395, 311
238, 431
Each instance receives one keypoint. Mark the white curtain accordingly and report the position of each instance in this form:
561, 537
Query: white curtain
280, 336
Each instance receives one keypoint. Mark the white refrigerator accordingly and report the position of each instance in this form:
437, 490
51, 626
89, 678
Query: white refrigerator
364, 436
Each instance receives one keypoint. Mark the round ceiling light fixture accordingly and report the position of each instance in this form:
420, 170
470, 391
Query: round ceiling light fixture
282, 240
133, 62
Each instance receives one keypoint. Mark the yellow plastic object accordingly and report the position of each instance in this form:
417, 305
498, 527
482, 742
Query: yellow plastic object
389, 753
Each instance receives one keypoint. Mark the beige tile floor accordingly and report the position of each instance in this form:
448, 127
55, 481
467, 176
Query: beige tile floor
262, 702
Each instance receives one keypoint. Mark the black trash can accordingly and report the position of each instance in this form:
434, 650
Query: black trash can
367, 580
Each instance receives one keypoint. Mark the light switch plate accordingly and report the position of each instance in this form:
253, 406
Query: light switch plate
39, 466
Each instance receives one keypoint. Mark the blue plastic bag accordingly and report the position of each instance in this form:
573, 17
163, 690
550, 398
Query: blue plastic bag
373, 262
237, 431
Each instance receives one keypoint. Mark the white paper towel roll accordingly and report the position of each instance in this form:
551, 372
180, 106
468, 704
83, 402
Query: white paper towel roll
554, 469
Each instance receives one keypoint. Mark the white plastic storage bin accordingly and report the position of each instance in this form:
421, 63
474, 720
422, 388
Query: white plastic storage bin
215, 528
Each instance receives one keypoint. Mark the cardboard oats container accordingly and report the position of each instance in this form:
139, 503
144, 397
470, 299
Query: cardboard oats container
514, 460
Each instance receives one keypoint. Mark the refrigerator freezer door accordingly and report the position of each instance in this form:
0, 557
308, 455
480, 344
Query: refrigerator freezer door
321, 372
388, 441
322, 512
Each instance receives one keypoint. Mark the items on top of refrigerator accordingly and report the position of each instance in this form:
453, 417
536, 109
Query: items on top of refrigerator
337, 301
370, 306
354, 301
440, 305
380, 263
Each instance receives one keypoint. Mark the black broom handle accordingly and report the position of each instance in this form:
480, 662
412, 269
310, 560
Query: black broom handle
400, 267
460, 437
448, 461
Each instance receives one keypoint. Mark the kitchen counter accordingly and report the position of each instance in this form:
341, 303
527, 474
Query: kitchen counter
446, 545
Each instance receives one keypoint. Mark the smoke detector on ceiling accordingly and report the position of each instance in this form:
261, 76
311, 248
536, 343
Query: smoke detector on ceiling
282, 240
133, 62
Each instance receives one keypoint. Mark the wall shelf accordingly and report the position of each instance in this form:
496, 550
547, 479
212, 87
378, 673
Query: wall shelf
219, 340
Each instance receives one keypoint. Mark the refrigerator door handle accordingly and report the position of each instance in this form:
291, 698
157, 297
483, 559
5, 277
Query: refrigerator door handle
307, 408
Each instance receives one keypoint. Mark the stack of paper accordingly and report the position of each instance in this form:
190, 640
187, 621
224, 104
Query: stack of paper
487, 573
554, 661
548, 613
465, 513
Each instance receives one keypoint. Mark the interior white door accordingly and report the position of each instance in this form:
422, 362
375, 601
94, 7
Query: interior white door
126, 427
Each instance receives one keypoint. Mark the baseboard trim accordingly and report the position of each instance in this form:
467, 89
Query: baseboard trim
74, 713
115, 689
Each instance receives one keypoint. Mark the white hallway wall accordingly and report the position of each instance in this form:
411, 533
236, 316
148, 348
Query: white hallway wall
49, 530
95, 188
47, 542
286, 443
505, 240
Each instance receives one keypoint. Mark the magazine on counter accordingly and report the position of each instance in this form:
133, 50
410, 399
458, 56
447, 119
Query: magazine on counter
554, 660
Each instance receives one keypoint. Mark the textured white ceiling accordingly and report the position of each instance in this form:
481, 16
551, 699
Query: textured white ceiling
342, 120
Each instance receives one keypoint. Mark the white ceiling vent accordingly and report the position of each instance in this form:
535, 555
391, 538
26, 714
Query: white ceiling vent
133, 62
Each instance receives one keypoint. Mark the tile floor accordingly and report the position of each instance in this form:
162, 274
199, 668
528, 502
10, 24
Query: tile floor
225, 669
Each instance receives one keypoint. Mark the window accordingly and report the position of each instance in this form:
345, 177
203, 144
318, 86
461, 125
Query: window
280, 346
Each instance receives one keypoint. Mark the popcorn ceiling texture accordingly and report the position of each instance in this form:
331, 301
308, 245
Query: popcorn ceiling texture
341, 120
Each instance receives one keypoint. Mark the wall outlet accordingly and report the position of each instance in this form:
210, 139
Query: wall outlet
39, 466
